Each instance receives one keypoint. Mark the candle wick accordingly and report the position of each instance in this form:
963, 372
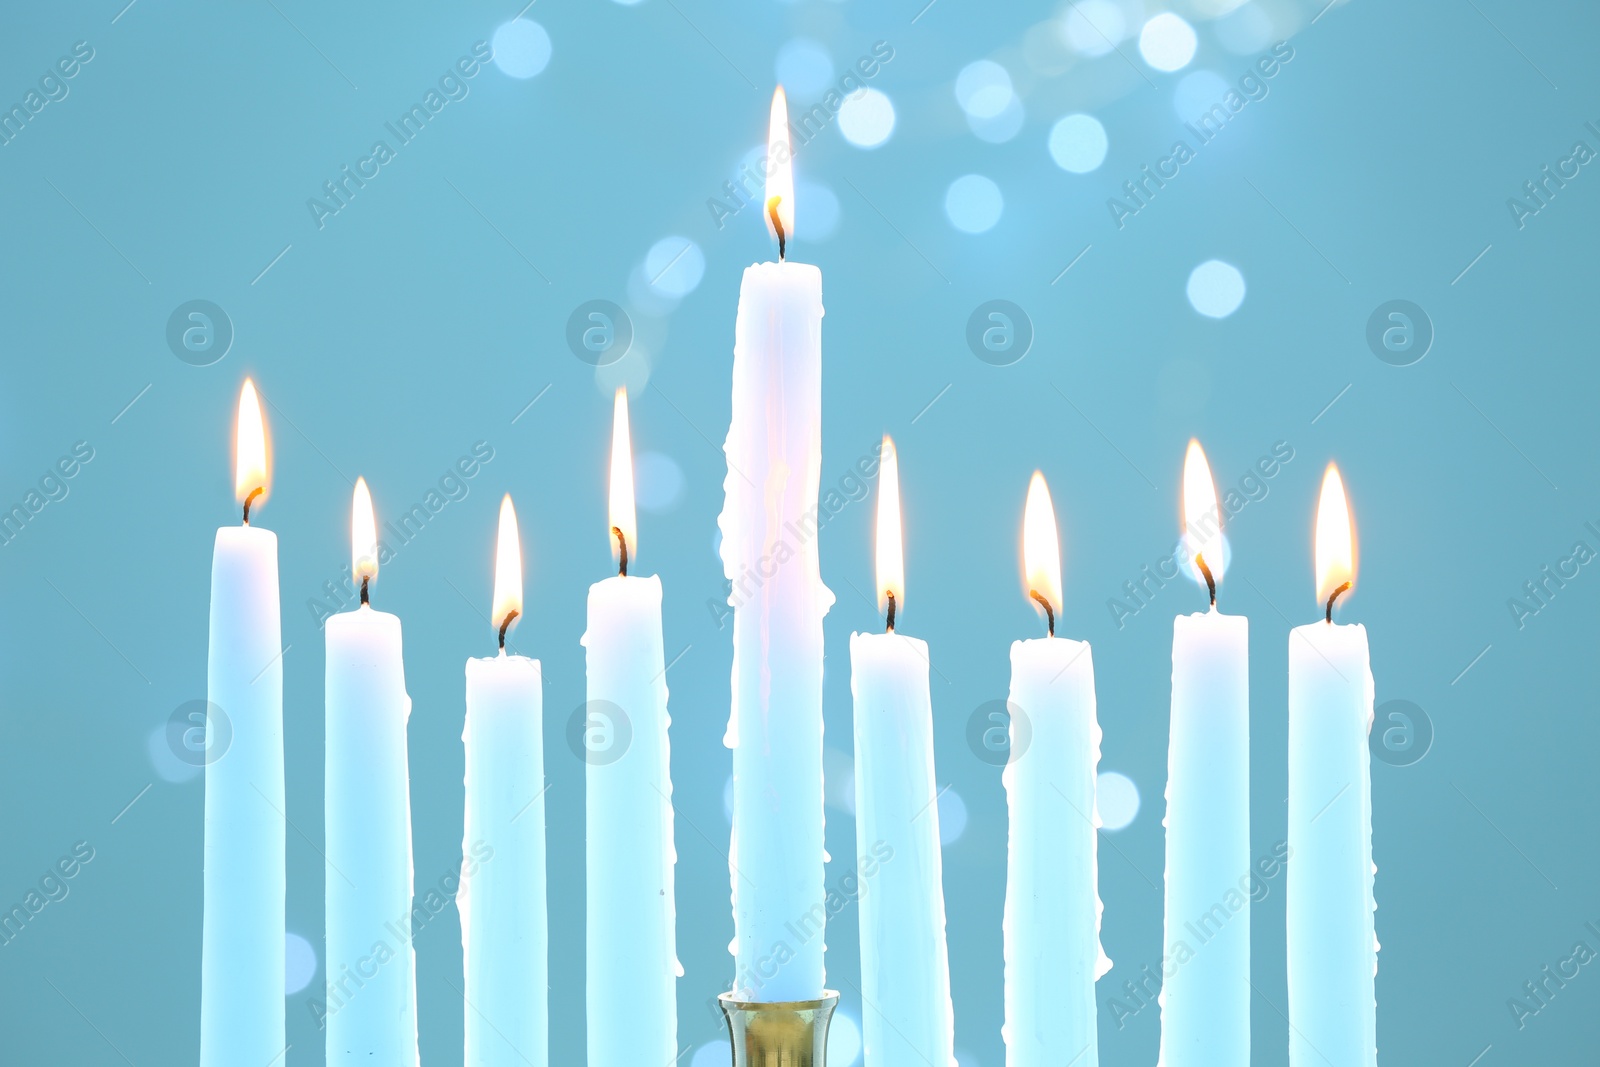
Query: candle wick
366, 597
1049, 612
622, 551
1332, 597
257, 491
510, 615
777, 223
889, 627
1211, 582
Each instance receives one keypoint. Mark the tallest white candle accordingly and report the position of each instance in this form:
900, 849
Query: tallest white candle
242, 946
769, 555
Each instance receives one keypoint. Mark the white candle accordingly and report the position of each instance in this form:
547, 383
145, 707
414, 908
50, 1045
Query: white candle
242, 946
1205, 995
1052, 911
769, 554
631, 945
906, 1016
1332, 948
504, 924
371, 965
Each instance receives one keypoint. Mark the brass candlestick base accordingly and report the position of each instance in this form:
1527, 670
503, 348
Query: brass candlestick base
789, 1034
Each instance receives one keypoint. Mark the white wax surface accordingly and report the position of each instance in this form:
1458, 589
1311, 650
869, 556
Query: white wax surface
242, 954
504, 922
1052, 910
370, 967
907, 1019
632, 948
1332, 950
1205, 997
769, 553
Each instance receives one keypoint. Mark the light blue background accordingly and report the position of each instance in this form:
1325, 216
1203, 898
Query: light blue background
427, 314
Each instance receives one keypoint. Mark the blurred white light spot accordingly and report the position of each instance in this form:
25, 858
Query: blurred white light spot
674, 266
1002, 127
973, 203
844, 792
627, 3
1216, 289
983, 89
1078, 143
162, 760
844, 1040
1117, 799
952, 817
1244, 31
1197, 93
1167, 42
299, 963
804, 68
1093, 27
521, 48
657, 481
817, 214
866, 120
712, 1054
965, 1058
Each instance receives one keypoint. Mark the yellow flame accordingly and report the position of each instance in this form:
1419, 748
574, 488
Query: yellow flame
507, 567
891, 538
363, 534
1202, 518
622, 513
780, 168
249, 448
1041, 544
1336, 537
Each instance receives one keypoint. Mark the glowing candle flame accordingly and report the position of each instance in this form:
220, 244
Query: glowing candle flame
1041, 546
250, 449
507, 568
623, 524
1202, 518
891, 567
1335, 538
780, 170
363, 535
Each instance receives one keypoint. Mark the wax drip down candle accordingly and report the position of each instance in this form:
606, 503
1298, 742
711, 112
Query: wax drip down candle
1052, 909
242, 941
1331, 943
504, 923
367, 804
907, 1018
1205, 993
631, 944
769, 554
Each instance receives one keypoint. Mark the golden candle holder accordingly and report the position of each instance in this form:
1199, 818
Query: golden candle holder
786, 1034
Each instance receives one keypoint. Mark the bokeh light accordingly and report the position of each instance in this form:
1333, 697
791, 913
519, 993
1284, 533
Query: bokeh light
867, 119
1197, 93
818, 215
1078, 143
983, 89
952, 816
1216, 289
1117, 799
521, 48
1002, 127
1244, 31
844, 1040
1093, 27
973, 203
1167, 42
804, 69
299, 963
674, 266
657, 481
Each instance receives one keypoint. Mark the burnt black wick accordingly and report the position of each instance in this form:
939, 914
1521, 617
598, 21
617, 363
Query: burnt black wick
1211, 582
622, 551
777, 223
257, 491
1049, 612
1332, 597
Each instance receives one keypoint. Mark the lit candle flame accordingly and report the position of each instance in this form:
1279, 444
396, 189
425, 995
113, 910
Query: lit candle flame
891, 567
1202, 518
363, 536
507, 571
780, 172
1335, 540
624, 536
1041, 549
249, 451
